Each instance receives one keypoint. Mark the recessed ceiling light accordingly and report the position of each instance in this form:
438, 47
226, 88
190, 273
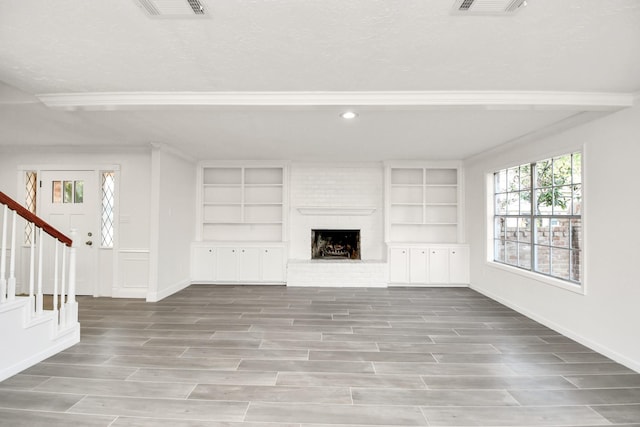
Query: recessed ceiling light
348, 115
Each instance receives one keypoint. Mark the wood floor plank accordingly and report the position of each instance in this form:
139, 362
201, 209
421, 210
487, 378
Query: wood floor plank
162, 408
335, 414
17, 418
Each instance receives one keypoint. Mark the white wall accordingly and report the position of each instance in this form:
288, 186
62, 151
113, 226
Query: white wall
336, 186
173, 218
132, 232
606, 318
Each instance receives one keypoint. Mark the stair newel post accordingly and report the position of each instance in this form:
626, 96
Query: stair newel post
32, 271
71, 296
39, 291
3, 256
55, 281
11, 284
63, 312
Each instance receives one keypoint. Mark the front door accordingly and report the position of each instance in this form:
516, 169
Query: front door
70, 200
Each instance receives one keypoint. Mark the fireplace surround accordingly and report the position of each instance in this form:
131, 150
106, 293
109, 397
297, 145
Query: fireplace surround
335, 244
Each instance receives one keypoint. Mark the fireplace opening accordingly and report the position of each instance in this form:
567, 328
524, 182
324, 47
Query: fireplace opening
335, 244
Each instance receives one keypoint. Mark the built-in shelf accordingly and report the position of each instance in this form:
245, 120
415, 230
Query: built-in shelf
422, 203
242, 202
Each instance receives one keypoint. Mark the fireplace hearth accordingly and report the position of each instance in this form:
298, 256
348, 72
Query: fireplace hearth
335, 244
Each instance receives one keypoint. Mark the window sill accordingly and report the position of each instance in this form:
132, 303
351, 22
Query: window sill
578, 289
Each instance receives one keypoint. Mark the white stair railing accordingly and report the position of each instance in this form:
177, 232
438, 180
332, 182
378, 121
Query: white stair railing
64, 306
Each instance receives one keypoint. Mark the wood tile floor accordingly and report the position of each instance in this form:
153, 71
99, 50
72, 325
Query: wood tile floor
225, 356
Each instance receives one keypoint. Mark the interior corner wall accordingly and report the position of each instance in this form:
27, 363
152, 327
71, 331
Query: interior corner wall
173, 202
606, 317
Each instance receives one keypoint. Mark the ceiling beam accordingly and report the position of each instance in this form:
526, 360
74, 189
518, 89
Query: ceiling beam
498, 100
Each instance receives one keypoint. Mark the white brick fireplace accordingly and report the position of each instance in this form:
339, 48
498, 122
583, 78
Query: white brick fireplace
348, 196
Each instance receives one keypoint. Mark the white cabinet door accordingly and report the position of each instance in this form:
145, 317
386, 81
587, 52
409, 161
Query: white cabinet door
249, 264
399, 265
459, 265
227, 265
439, 265
418, 265
204, 264
272, 265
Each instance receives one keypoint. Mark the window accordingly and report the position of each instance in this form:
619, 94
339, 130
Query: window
537, 223
107, 215
67, 191
31, 188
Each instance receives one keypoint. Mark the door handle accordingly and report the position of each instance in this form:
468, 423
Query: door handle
88, 243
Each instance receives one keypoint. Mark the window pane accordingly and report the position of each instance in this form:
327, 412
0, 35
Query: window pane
79, 191
56, 191
513, 179
511, 253
577, 168
560, 233
524, 230
575, 265
512, 229
31, 180
562, 200
499, 228
542, 261
562, 170
499, 250
107, 218
525, 202
501, 204
543, 231
500, 181
544, 201
560, 262
577, 199
513, 201
576, 233
525, 177
544, 173
524, 256
68, 192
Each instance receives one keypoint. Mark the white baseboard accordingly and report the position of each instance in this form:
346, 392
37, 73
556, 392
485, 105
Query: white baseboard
295, 284
160, 295
128, 293
613, 355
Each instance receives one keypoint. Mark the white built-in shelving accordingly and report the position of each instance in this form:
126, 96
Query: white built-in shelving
423, 204
243, 203
242, 216
423, 224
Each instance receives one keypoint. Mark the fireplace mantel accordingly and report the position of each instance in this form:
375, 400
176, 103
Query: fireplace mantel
336, 210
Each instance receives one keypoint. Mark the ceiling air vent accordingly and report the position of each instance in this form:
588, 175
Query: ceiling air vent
173, 8
487, 7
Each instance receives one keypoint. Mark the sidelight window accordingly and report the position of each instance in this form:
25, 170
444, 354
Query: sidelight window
107, 212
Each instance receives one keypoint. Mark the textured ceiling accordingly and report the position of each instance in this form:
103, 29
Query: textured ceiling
306, 45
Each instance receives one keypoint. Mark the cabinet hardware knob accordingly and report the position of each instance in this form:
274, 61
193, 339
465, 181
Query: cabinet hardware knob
453, 252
